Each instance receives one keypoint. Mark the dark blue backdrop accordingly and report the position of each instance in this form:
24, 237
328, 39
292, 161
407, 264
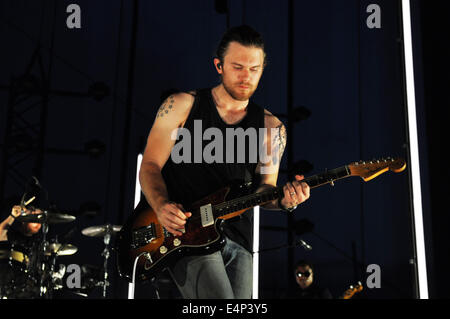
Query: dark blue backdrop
348, 75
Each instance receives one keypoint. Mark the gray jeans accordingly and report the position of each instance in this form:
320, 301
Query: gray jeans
225, 274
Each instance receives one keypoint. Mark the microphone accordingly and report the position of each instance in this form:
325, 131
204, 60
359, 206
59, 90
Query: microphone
304, 245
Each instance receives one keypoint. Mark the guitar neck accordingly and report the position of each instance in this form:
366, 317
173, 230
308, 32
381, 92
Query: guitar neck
261, 198
327, 177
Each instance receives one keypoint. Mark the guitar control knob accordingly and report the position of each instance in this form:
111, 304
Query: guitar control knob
163, 249
176, 242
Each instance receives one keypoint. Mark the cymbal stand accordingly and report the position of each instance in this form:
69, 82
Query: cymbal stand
106, 254
44, 245
52, 266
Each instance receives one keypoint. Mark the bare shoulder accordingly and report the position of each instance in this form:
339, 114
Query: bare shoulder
176, 107
271, 121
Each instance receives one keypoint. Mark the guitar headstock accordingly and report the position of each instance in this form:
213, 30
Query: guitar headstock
352, 290
368, 170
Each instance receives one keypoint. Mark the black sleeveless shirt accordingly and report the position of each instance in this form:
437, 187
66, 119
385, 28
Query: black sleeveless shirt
194, 178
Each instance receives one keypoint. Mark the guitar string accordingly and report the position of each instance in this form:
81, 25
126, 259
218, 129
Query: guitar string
319, 179
256, 196
269, 193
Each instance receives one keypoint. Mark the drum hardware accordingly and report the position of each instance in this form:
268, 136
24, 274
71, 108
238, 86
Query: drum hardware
101, 231
43, 266
48, 252
15, 279
13, 255
36, 270
91, 278
55, 278
105, 231
46, 217
23, 277
28, 264
60, 249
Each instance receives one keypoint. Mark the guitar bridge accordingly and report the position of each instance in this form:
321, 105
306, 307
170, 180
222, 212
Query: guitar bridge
143, 236
206, 215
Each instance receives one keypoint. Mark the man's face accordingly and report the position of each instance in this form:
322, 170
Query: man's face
241, 70
301, 277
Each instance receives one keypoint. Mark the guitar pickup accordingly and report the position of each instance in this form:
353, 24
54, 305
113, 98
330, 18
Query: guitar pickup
206, 215
142, 236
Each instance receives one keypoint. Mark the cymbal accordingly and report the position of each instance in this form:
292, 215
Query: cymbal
46, 217
100, 231
60, 249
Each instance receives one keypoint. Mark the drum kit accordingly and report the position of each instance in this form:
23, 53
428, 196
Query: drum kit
28, 271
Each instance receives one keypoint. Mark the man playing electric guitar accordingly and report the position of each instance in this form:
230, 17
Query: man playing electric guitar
171, 179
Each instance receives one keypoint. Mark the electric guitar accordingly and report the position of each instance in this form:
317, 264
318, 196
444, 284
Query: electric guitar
351, 291
145, 247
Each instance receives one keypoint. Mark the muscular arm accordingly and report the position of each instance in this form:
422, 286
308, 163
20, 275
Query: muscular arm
275, 144
171, 115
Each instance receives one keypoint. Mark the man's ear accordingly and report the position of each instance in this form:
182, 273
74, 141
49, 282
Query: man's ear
218, 64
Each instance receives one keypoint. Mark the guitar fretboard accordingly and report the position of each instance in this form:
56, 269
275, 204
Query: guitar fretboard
261, 198
327, 177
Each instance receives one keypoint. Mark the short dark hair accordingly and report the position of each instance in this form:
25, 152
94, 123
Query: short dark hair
303, 263
244, 35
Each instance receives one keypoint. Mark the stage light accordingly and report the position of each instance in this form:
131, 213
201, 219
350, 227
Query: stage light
256, 222
137, 198
414, 153
137, 189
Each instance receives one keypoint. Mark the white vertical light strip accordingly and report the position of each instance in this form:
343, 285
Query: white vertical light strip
414, 151
137, 190
137, 198
255, 252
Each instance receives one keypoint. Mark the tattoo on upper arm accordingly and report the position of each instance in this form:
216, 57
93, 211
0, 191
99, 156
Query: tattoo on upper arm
166, 107
280, 139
